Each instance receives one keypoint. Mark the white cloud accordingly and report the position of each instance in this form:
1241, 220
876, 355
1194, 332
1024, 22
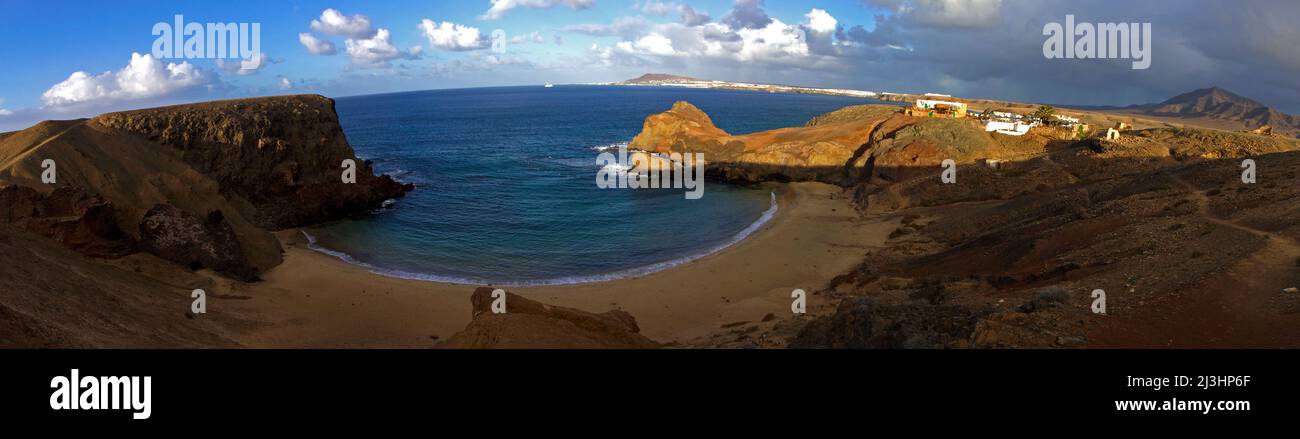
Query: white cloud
316, 46
376, 51
821, 32
746, 36
285, 83
4, 112
452, 36
500, 7
533, 37
776, 41
144, 78
608, 57
333, 22
686, 14
821, 22
626, 27
658, 8
236, 67
653, 44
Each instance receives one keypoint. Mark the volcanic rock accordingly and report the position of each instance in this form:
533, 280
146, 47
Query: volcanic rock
182, 237
79, 221
865, 323
531, 324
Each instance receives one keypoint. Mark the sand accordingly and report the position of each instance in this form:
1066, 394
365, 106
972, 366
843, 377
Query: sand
314, 300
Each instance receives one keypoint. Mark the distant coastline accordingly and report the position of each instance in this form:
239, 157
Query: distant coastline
663, 80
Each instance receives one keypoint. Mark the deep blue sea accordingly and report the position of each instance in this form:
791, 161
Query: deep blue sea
506, 183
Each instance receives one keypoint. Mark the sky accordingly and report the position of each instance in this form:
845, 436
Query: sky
69, 59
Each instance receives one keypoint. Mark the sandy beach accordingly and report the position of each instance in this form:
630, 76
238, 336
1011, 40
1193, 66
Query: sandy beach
314, 300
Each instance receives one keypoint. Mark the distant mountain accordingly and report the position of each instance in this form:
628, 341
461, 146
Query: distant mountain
1217, 103
650, 78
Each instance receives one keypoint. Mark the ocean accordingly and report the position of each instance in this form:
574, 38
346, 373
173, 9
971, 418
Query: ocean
506, 183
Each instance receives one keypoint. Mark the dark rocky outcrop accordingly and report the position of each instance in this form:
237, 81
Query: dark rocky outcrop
79, 221
531, 324
865, 323
182, 237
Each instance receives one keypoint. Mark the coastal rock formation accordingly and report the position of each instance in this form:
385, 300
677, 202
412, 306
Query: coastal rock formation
531, 324
816, 153
284, 155
264, 163
182, 237
79, 221
845, 147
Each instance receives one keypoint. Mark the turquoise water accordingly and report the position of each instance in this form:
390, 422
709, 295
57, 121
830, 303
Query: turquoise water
506, 191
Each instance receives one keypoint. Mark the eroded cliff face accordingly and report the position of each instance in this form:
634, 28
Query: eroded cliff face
283, 155
218, 177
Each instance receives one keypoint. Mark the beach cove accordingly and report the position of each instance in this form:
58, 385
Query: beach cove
314, 300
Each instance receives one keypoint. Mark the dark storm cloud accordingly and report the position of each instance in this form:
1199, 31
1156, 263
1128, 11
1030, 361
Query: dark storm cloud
994, 49
1251, 47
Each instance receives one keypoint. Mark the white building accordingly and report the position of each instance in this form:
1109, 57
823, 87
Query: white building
1066, 120
1008, 128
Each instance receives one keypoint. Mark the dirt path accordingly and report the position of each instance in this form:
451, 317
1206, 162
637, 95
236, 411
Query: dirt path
1243, 306
18, 157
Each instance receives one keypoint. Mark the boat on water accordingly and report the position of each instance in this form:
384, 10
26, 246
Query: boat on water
550, 85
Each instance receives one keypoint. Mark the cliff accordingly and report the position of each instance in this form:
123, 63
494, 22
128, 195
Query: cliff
283, 155
211, 179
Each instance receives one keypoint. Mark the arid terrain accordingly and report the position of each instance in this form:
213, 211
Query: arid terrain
1009, 255
151, 204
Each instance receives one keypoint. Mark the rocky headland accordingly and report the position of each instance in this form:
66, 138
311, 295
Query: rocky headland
202, 185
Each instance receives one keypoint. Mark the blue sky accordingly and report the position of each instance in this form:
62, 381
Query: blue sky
75, 58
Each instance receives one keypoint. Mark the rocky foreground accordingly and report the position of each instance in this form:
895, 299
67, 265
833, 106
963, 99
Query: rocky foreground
200, 185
